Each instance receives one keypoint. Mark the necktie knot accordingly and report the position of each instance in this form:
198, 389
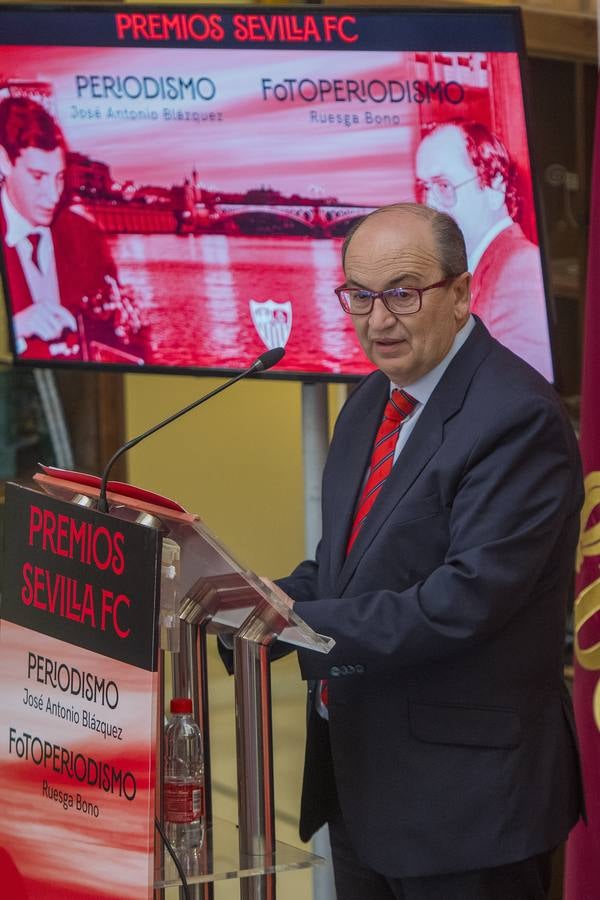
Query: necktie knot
34, 239
399, 406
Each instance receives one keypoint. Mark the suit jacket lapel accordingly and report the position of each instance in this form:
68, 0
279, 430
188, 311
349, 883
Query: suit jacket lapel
350, 463
420, 447
425, 439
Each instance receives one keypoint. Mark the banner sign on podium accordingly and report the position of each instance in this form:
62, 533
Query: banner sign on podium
78, 688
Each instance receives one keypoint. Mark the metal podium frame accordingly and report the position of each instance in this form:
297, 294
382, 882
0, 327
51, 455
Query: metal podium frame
216, 595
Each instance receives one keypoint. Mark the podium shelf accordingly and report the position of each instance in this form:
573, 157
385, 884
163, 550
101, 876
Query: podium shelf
219, 859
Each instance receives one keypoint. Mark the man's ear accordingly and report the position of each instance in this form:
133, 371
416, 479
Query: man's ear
5, 163
462, 296
496, 192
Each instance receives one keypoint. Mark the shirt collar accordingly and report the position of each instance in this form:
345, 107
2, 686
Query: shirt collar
17, 226
423, 388
486, 240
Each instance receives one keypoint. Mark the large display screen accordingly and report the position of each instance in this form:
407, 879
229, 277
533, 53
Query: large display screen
177, 183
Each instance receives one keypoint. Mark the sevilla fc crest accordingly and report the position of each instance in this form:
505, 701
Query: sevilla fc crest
273, 321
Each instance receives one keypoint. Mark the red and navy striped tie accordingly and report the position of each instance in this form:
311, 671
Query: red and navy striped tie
399, 406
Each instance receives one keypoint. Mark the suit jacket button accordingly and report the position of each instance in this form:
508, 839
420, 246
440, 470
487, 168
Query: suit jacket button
343, 670
334, 671
359, 669
351, 670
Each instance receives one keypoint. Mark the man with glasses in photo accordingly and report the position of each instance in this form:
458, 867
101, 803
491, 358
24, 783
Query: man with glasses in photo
465, 170
440, 744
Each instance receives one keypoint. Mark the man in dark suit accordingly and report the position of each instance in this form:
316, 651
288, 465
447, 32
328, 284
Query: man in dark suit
465, 170
61, 277
440, 743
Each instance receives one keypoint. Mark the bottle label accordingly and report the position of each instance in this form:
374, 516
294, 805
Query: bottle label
184, 803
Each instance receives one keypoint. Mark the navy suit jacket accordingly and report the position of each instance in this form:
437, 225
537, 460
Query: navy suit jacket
451, 731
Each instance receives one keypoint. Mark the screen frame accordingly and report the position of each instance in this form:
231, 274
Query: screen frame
514, 14
540, 215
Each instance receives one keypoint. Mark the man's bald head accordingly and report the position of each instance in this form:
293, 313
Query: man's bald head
447, 236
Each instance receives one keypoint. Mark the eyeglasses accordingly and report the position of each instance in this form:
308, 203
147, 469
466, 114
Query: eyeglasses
400, 301
440, 191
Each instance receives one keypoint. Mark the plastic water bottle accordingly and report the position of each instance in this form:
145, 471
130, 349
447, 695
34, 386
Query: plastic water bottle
184, 779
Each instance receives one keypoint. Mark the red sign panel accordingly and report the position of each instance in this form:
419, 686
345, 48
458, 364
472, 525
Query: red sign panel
78, 687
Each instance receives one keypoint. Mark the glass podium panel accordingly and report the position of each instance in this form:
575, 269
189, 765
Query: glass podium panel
220, 859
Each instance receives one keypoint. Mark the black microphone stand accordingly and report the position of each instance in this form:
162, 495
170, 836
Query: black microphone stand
264, 362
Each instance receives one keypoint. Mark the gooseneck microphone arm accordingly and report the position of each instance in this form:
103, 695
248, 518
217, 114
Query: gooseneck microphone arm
264, 362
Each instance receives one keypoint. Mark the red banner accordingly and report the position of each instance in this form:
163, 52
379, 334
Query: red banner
583, 852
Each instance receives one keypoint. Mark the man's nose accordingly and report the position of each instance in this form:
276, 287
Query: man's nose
432, 199
380, 316
53, 191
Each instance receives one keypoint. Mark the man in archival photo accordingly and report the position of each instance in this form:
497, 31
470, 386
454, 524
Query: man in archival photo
62, 280
465, 170
440, 740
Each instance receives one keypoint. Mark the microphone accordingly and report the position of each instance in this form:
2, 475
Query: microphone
265, 361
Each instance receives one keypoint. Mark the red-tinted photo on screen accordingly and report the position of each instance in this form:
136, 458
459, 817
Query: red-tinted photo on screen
176, 186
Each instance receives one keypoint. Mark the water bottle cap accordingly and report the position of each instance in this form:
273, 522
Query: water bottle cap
181, 705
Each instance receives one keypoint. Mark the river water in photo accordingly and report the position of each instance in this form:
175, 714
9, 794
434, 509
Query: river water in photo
195, 293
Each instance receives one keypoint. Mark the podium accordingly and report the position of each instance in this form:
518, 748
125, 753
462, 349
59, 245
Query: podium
197, 589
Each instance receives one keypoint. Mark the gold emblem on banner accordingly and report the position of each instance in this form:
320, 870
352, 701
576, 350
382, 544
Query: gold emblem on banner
587, 604
589, 538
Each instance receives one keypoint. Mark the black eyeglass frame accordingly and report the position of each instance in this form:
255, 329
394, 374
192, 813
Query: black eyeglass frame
382, 296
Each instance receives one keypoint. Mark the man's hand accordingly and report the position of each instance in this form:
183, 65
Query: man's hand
126, 317
43, 320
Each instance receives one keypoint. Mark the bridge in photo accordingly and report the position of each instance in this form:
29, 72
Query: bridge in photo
315, 220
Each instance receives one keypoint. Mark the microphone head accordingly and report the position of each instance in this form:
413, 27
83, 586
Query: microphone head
268, 358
